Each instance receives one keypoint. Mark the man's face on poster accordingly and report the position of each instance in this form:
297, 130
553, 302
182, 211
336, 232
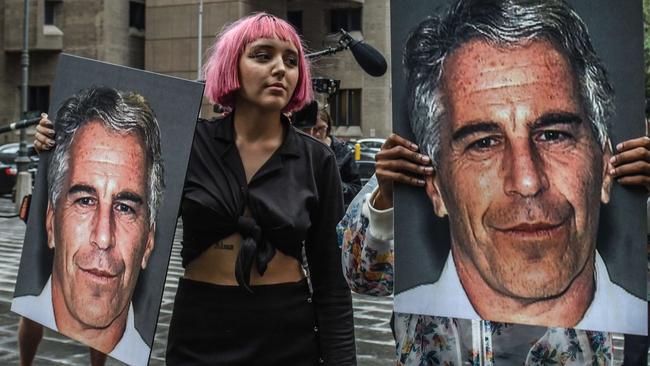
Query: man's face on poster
100, 228
520, 173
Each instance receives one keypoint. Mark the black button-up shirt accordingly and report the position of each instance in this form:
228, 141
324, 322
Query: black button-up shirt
294, 197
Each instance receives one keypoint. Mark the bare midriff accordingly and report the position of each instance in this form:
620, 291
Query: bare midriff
217, 265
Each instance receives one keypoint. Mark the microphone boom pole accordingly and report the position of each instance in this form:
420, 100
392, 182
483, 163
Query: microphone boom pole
24, 123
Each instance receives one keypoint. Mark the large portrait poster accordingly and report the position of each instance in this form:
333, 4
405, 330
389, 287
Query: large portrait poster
105, 205
520, 105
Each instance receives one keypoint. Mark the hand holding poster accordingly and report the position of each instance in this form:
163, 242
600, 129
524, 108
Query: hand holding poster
101, 226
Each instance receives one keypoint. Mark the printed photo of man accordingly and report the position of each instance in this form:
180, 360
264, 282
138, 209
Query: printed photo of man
512, 104
105, 183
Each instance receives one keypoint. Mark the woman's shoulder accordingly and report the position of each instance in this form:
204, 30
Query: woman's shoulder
206, 129
210, 122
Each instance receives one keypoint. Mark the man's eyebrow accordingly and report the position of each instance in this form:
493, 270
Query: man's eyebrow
82, 188
474, 127
556, 118
129, 196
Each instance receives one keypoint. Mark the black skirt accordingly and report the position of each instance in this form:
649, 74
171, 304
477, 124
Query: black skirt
227, 325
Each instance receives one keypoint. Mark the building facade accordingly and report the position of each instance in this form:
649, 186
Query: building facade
106, 30
162, 36
361, 108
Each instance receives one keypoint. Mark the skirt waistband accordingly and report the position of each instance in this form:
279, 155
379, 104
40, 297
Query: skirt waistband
281, 294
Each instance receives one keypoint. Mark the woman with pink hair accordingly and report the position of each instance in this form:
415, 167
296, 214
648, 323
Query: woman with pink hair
263, 283
258, 194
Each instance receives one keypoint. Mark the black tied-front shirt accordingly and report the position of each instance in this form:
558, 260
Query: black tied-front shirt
294, 197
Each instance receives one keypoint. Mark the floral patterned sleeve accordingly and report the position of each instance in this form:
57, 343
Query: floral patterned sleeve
366, 239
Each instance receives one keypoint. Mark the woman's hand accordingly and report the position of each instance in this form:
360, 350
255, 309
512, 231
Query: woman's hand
631, 164
398, 161
44, 134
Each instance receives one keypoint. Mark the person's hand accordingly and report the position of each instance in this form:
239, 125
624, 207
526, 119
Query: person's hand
631, 163
398, 161
44, 134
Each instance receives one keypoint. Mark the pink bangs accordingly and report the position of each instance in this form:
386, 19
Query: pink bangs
221, 69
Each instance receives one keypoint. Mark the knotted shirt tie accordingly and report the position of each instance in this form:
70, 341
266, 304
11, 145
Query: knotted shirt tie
253, 248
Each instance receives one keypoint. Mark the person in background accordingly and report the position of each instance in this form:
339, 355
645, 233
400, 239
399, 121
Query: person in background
366, 236
317, 122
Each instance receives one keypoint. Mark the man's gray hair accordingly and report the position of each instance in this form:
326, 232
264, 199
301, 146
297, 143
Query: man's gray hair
119, 112
502, 23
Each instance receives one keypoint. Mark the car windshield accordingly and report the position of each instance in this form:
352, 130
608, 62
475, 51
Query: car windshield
9, 149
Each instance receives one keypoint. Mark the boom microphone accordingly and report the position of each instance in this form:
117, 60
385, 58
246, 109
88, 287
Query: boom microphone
370, 60
20, 124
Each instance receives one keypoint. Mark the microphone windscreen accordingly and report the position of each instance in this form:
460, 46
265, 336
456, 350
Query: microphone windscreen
370, 60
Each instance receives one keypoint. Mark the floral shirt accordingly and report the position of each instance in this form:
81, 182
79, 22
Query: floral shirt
366, 237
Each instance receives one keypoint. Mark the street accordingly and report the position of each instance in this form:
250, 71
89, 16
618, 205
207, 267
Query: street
375, 344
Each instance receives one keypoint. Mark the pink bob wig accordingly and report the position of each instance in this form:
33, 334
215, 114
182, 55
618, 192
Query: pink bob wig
221, 71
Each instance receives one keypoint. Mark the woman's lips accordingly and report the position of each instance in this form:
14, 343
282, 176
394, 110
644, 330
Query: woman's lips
277, 87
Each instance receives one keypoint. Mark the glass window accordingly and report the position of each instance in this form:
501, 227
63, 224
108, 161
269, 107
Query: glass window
348, 19
346, 108
295, 18
136, 15
50, 15
39, 99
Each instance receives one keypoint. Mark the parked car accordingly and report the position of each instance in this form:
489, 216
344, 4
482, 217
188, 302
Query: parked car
8, 168
371, 144
7, 178
9, 152
366, 170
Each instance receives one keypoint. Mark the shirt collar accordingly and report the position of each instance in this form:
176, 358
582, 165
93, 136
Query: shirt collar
597, 316
449, 277
224, 131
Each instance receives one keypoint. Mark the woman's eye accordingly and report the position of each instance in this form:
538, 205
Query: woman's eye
262, 56
291, 61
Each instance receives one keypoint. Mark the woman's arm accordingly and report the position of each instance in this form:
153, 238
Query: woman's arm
366, 238
332, 297
366, 231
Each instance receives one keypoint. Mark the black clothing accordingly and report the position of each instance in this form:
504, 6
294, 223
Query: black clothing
350, 179
295, 197
226, 326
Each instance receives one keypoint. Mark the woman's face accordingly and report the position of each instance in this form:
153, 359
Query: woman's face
268, 73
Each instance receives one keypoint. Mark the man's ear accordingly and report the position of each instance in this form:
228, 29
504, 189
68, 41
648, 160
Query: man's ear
607, 176
433, 191
49, 225
150, 243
